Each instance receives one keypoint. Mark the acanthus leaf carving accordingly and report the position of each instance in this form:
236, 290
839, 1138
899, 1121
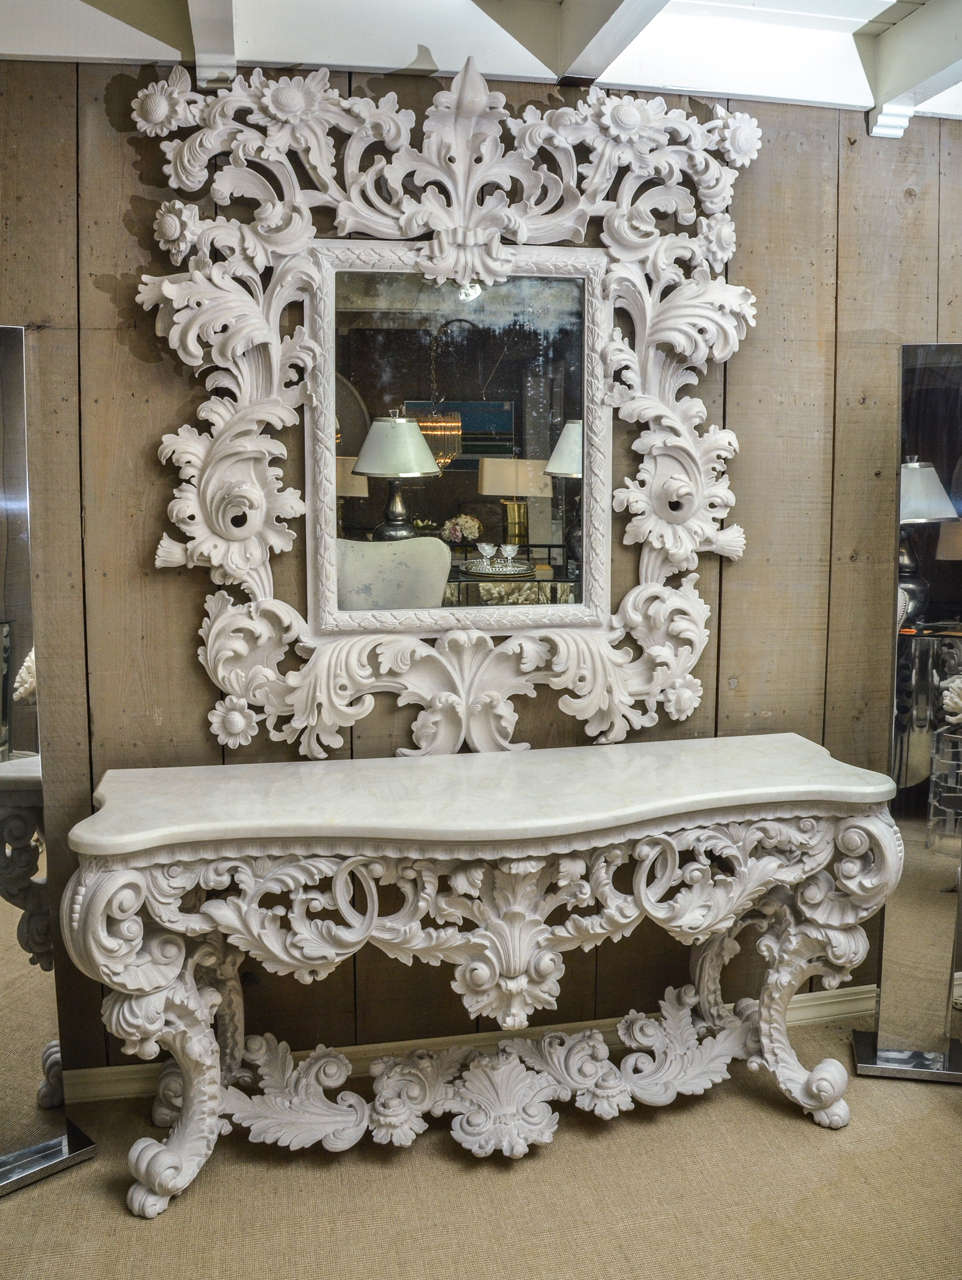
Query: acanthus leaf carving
669, 1056
294, 1110
499, 1101
475, 201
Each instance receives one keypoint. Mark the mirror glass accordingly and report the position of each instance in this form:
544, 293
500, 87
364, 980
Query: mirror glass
36, 1139
459, 441
920, 1011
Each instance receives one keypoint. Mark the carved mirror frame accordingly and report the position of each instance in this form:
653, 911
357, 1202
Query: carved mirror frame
587, 265
463, 204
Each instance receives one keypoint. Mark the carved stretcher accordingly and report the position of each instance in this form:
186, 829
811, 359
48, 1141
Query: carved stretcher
504, 862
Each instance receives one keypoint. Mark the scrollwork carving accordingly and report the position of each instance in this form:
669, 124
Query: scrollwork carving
476, 200
167, 937
304, 913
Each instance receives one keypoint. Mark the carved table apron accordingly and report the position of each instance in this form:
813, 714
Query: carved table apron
504, 862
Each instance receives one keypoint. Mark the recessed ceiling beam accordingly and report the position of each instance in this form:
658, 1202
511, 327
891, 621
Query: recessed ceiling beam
914, 60
215, 49
574, 37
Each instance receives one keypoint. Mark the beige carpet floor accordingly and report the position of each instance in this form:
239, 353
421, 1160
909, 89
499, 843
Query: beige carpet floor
736, 1185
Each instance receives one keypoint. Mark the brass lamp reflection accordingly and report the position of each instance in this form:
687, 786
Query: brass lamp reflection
514, 480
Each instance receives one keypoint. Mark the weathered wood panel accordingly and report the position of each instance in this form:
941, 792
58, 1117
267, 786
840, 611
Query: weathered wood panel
887, 296
780, 391
950, 239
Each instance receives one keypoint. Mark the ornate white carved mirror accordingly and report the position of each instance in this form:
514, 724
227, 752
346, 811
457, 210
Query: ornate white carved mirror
456, 293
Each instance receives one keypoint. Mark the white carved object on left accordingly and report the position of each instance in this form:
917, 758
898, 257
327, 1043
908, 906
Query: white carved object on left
477, 201
185, 872
25, 682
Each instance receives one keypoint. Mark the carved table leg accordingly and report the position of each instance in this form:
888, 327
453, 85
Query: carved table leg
230, 1019
165, 1169
156, 1003
229, 1028
708, 962
796, 951
815, 931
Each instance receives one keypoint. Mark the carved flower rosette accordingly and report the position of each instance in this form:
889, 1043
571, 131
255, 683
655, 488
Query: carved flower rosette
472, 196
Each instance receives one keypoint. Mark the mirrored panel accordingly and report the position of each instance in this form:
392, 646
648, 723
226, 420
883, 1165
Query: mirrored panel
459, 441
36, 1139
915, 1004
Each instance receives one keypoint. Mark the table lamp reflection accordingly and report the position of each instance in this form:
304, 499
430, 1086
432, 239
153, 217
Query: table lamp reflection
394, 450
566, 456
514, 481
922, 500
566, 463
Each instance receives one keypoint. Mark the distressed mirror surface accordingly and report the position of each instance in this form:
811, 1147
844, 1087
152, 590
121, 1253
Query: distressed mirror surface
472, 199
489, 377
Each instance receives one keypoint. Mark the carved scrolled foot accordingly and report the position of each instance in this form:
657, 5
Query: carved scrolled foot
159, 1172
50, 1093
798, 950
820, 1094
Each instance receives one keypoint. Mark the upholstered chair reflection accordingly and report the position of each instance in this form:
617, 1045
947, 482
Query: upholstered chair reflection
408, 574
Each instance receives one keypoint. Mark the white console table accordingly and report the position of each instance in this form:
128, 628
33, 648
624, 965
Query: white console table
504, 862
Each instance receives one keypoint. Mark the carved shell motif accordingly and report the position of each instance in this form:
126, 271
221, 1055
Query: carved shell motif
462, 200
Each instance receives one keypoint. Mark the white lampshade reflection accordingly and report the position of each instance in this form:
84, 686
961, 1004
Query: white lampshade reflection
514, 477
393, 449
566, 456
923, 499
350, 485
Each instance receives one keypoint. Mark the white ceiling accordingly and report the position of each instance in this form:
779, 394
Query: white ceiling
890, 59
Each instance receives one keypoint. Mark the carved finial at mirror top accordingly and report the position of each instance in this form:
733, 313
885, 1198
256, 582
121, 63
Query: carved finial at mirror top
464, 203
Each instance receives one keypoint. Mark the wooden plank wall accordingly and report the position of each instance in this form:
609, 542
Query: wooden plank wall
848, 243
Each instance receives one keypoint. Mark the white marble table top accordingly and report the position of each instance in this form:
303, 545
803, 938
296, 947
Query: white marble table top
463, 798
21, 772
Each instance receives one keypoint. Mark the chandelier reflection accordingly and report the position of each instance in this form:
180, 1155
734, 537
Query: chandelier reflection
442, 430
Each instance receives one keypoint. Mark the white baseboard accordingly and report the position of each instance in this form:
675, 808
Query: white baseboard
98, 1084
